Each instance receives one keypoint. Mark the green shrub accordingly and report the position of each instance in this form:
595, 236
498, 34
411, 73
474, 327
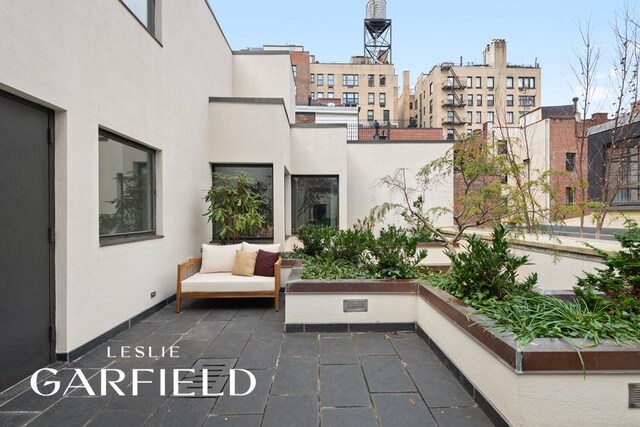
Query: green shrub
328, 269
348, 245
533, 316
488, 269
620, 281
394, 254
315, 238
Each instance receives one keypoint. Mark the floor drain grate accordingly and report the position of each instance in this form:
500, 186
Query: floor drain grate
217, 377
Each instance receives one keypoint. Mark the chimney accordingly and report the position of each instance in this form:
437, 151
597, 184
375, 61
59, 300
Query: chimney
576, 113
599, 118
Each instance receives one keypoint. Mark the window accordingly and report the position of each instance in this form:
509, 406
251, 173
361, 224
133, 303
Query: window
490, 117
314, 200
470, 82
431, 88
294, 68
312, 78
383, 99
479, 82
350, 98
570, 162
349, 80
385, 115
490, 100
430, 106
383, 80
469, 132
450, 117
526, 82
509, 100
145, 11
370, 117
371, 80
469, 116
330, 80
313, 95
320, 95
127, 188
478, 117
430, 121
527, 101
320, 81
450, 81
469, 100
570, 195
263, 176
330, 95
490, 82
510, 117
371, 98
479, 100
509, 82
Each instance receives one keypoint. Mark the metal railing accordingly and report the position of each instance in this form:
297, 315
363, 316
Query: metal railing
379, 130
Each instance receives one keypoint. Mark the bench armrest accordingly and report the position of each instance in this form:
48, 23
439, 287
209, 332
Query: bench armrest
188, 269
276, 274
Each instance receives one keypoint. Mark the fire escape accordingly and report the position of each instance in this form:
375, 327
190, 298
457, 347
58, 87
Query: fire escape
454, 89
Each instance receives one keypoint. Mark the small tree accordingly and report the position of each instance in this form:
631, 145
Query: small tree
234, 207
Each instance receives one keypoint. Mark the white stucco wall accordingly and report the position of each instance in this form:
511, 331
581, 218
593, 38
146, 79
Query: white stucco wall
249, 132
328, 308
369, 162
532, 400
265, 75
322, 150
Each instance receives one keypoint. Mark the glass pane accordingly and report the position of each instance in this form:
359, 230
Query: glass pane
140, 8
263, 174
126, 198
314, 200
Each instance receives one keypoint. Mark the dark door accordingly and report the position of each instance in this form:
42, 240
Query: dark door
26, 262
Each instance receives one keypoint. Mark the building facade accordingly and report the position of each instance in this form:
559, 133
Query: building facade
461, 98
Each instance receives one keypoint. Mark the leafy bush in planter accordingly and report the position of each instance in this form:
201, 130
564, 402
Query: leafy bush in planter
488, 269
314, 238
357, 254
620, 281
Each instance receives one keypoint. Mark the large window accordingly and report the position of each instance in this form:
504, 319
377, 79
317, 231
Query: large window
570, 162
314, 200
526, 82
145, 11
383, 99
490, 100
509, 82
371, 98
263, 175
383, 80
330, 80
490, 82
350, 80
527, 101
126, 188
350, 98
371, 80
320, 80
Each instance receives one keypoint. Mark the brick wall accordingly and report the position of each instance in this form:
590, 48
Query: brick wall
301, 61
305, 117
401, 134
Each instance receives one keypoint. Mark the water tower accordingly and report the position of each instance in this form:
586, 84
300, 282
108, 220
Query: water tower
377, 33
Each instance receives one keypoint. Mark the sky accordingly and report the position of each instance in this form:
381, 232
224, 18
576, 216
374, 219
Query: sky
426, 33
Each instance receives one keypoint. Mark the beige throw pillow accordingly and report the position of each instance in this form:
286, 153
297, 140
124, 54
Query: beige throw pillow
219, 259
245, 263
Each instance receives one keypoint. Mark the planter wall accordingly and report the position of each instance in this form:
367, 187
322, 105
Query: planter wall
544, 384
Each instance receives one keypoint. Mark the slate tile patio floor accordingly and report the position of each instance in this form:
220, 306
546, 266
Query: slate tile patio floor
312, 379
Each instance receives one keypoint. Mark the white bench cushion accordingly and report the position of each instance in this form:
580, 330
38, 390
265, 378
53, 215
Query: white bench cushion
226, 282
219, 258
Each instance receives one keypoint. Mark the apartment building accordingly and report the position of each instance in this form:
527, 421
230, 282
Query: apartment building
461, 98
359, 83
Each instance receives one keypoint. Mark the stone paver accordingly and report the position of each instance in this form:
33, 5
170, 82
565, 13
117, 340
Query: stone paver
302, 379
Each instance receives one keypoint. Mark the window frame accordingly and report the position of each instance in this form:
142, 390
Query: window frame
133, 236
490, 100
479, 100
371, 80
382, 99
371, 98
510, 83
331, 80
152, 26
383, 80
479, 82
320, 79
491, 82
293, 208
510, 100
570, 162
312, 78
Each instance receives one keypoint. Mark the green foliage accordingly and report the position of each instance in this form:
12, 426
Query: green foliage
394, 254
488, 270
330, 269
620, 281
234, 206
533, 316
315, 238
130, 206
357, 253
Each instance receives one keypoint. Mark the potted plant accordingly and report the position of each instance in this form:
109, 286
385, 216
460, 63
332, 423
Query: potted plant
234, 207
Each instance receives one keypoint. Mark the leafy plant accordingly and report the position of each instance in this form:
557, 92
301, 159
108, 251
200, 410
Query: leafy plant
533, 316
349, 245
488, 270
131, 205
315, 238
234, 206
330, 269
620, 281
394, 254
